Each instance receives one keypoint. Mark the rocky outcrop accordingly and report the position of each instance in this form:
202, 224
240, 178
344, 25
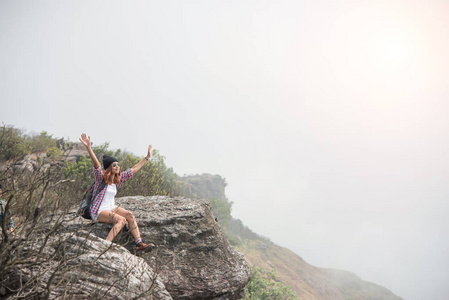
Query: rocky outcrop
193, 258
24, 167
69, 257
74, 154
79, 265
39, 162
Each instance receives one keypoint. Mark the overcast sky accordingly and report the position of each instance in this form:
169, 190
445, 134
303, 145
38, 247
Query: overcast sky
328, 119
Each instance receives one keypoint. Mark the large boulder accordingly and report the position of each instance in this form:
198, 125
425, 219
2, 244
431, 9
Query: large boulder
108, 271
70, 258
193, 258
79, 265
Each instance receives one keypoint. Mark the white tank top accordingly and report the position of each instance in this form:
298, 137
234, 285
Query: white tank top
108, 202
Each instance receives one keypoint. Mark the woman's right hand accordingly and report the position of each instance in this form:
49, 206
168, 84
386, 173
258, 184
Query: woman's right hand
85, 140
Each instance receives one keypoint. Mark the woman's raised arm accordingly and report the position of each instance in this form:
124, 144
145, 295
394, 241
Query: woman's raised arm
85, 140
143, 161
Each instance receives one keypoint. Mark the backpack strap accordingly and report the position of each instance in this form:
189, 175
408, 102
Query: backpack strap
100, 188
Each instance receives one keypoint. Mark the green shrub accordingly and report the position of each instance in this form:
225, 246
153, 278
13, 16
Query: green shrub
54, 152
221, 209
154, 178
80, 171
12, 144
15, 144
264, 285
41, 142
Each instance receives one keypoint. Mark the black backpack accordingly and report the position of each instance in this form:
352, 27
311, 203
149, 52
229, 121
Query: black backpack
88, 197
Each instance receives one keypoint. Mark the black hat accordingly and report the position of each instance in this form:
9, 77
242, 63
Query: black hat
108, 160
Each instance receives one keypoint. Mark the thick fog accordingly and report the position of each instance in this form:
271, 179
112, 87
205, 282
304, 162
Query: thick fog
328, 119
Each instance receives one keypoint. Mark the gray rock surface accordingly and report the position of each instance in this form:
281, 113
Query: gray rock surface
108, 271
39, 162
193, 258
74, 154
80, 265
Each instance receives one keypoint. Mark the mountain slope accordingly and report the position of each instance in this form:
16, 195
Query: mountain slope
307, 281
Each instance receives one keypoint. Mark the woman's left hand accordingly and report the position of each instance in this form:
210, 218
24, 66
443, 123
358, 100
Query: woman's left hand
150, 149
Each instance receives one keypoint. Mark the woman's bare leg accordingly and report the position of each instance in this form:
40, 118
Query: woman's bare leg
133, 228
112, 218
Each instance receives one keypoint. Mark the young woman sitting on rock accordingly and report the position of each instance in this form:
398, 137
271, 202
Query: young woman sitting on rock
103, 208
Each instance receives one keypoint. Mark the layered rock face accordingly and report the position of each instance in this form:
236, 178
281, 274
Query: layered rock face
78, 265
193, 258
104, 271
70, 258
30, 163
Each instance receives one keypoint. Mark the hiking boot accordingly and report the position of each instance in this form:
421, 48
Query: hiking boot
144, 247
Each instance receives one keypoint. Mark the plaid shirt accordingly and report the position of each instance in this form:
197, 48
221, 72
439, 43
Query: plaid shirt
11, 221
98, 173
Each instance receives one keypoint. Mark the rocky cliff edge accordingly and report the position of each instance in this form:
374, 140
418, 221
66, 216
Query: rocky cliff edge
193, 259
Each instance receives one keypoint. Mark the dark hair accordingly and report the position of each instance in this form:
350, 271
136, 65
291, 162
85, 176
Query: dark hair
1, 186
111, 178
